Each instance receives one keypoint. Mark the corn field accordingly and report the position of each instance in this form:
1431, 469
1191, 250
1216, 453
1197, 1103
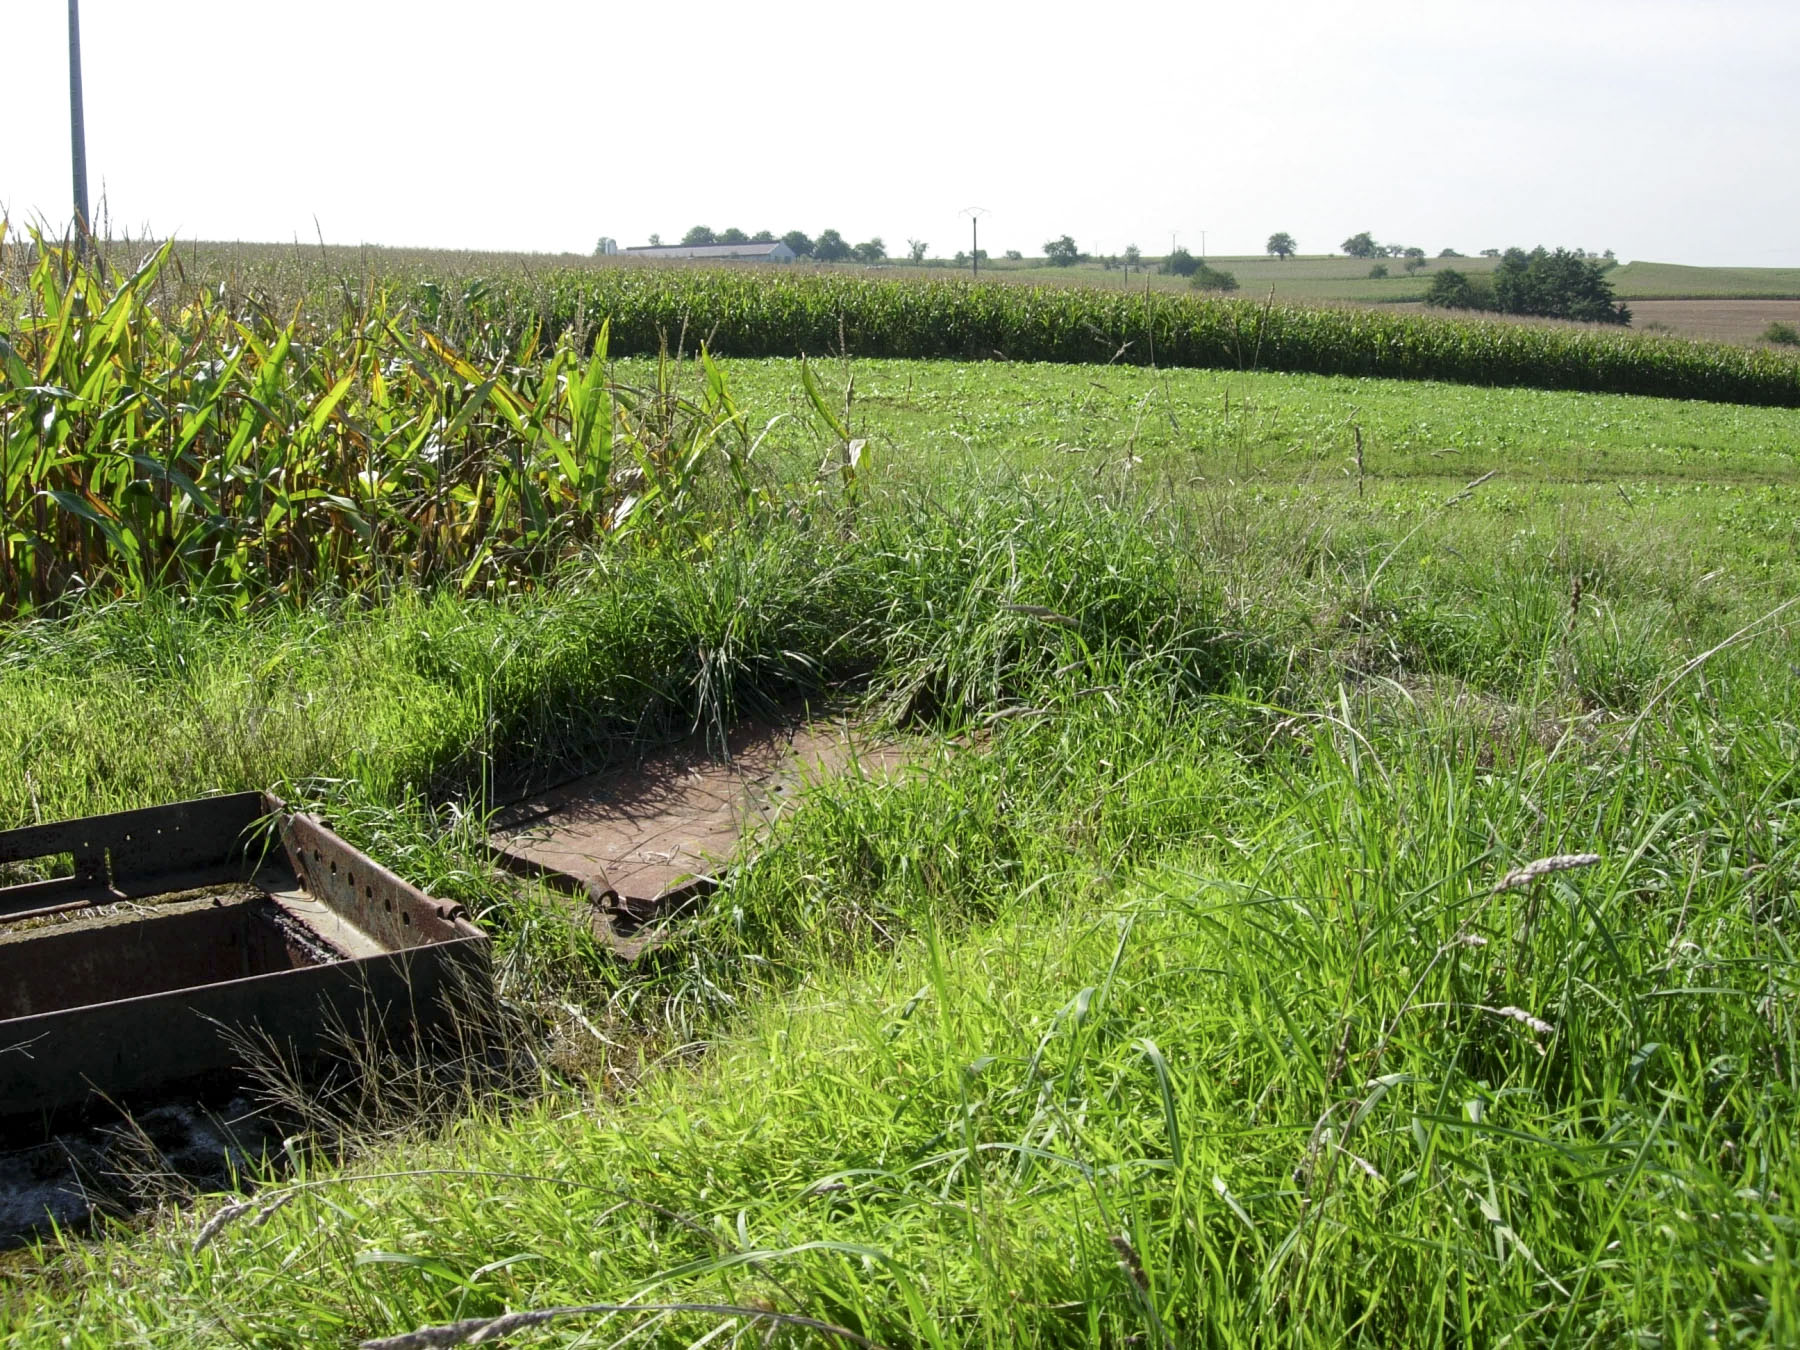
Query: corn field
774, 314
211, 444
465, 430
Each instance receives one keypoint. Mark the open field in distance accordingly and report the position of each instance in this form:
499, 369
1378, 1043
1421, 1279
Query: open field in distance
1346, 280
1672, 281
1740, 321
1323, 278
1301, 279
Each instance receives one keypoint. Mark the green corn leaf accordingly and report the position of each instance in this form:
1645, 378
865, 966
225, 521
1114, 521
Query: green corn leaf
327, 405
811, 383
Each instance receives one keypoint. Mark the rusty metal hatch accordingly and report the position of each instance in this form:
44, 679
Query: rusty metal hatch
178, 930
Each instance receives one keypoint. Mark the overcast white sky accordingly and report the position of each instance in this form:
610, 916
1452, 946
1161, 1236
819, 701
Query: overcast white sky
1661, 130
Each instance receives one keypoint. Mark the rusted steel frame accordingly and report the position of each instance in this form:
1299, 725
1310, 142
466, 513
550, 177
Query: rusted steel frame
394, 912
116, 1049
129, 854
66, 1056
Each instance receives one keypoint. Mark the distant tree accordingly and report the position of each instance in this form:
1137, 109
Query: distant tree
1133, 258
1378, 272
1416, 264
1781, 334
732, 236
1490, 253
1556, 285
916, 249
656, 241
799, 242
1541, 283
698, 236
872, 251
1209, 278
1012, 255
1394, 250
1449, 253
1412, 251
1361, 246
763, 237
1451, 289
1281, 245
1181, 263
1062, 252
961, 258
830, 247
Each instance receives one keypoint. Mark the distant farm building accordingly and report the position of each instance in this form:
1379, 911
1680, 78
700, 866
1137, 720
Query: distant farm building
776, 252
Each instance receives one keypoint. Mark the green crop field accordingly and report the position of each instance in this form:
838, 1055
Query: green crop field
1307, 280
1344, 895
1337, 279
1669, 281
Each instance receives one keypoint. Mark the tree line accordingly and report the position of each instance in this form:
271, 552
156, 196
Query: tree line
830, 246
1559, 284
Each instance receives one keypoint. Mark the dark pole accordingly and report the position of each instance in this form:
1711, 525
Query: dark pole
974, 244
77, 132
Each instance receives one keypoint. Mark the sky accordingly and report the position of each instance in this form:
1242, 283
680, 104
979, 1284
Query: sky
1660, 130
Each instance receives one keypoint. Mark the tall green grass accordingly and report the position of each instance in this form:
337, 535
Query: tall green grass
1178, 997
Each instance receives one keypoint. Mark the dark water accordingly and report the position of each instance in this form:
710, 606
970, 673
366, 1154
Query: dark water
120, 1165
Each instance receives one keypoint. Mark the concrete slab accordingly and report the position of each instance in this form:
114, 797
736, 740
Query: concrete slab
642, 841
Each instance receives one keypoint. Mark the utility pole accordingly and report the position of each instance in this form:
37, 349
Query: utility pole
975, 213
1203, 246
77, 131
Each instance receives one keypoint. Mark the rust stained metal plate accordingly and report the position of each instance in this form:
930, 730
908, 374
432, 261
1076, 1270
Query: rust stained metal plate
644, 842
395, 913
135, 853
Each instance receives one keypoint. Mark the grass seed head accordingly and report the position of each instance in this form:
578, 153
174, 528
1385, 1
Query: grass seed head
1521, 877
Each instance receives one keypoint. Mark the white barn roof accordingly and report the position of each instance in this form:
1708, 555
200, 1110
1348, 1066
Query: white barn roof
771, 252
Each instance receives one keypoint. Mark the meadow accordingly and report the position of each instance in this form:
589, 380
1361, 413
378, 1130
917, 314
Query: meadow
1337, 279
1333, 279
1345, 895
